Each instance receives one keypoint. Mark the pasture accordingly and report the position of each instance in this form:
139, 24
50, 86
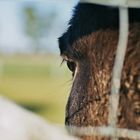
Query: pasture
36, 82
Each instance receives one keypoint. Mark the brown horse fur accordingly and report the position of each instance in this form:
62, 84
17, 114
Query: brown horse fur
93, 55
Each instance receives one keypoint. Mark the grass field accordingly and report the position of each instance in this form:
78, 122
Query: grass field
37, 83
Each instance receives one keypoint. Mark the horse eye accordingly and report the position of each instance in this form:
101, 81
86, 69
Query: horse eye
71, 66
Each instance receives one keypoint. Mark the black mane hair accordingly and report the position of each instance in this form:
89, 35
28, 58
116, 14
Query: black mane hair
89, 18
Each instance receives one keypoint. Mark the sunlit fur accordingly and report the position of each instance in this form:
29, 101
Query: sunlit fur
91, 41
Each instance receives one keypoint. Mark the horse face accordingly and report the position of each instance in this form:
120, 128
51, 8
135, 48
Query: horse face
89, 47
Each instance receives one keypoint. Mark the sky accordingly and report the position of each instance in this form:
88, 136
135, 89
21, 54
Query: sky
12, 37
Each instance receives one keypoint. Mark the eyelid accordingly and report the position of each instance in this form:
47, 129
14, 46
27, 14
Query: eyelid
65, 58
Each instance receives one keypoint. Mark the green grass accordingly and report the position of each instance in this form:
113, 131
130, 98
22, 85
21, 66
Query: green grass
37, 83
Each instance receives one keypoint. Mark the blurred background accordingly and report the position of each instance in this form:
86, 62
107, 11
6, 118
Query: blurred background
30, 66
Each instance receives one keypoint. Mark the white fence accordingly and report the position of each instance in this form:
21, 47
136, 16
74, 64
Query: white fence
17, 123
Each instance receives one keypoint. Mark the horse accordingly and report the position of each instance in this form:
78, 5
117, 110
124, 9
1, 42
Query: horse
89, 48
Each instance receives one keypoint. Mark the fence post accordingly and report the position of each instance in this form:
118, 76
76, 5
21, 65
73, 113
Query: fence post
117, 69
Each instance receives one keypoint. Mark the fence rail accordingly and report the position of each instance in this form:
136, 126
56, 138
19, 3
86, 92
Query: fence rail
104, 131
119, 3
